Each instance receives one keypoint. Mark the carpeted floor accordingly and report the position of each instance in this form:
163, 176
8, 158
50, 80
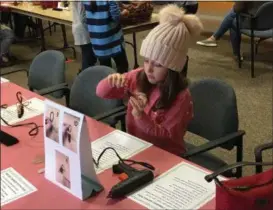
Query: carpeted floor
254, 96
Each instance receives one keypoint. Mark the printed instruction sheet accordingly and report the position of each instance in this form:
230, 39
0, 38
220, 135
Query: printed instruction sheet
3, 80
14, 186
125, 144
33, 107
182, 187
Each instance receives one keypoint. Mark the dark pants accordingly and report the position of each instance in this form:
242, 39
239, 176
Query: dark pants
89, 59
121, 62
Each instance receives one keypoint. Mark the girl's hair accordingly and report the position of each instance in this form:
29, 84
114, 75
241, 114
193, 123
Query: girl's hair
173, 84
94, 6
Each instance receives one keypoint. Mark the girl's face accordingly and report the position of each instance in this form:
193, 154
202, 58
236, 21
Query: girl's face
154, 71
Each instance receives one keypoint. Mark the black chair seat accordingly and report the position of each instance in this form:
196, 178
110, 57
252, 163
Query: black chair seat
261, 34
206, 159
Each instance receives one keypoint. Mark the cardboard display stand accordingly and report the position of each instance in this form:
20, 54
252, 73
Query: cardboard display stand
68, 155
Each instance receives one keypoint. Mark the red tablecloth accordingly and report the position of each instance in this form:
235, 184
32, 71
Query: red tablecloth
50, 196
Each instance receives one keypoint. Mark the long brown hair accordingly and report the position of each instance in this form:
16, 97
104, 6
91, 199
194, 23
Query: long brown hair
173, 84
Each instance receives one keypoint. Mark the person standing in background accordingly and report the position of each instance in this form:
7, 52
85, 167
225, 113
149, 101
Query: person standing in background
103, 21
229, 23
81, 34
6, 39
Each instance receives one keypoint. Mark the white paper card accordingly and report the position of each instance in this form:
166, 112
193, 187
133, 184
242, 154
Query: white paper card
125, 144
14, 186
3, 80
68, 157
34, 108
181, 187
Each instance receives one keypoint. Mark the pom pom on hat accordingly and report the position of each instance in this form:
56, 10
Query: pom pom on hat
171, 13
175, 15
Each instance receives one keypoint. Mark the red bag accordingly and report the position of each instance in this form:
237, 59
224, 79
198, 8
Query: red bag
246, 193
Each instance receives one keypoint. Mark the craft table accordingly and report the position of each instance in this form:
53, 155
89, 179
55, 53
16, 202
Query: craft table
65, 18
50, 196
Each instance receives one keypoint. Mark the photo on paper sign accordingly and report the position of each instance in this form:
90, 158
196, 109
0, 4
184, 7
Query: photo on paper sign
52, 124
63, 169
70, 131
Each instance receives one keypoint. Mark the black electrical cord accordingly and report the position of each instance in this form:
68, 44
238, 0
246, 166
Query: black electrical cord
121, 160
35, 130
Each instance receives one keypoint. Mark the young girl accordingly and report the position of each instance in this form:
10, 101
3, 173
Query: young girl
160, 105
103, 21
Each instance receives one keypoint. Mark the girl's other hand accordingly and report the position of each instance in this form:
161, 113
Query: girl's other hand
138, 102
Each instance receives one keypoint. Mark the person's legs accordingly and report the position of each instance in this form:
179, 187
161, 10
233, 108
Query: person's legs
121, 62
5, 17
106, 62
6, 39
235, 39
88, 57
20, 23
224, 27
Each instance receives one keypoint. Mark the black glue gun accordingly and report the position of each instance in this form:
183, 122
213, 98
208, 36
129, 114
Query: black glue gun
132, 179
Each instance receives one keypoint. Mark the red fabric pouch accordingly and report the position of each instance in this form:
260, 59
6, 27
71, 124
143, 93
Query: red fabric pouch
246, 193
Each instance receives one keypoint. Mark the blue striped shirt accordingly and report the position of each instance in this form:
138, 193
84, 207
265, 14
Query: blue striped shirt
104, 28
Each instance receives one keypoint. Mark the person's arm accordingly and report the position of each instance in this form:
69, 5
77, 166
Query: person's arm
105, 90
177, 117
114, 10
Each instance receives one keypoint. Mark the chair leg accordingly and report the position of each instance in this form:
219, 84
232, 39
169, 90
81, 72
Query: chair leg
252, 54
239, 157
256, 46
238, 35
49, 25
185, 69
123, 125
67, 98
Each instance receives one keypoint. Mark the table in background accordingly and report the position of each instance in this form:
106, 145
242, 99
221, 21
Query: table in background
50, 196
65, 18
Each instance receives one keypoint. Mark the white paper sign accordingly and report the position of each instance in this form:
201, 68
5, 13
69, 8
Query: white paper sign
33, 108
182, 187
14, 186
3, 80
125, 144
68, 156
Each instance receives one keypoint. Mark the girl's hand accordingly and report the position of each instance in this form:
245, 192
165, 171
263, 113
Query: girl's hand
117, 80
138, 102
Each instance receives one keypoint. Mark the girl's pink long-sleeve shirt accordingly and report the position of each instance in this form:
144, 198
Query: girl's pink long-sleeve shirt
163, 128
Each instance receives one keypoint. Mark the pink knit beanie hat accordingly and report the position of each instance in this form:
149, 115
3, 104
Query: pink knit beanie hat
168, 43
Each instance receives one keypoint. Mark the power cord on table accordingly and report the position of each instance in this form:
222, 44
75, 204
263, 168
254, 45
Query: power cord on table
20, 111
121, 160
